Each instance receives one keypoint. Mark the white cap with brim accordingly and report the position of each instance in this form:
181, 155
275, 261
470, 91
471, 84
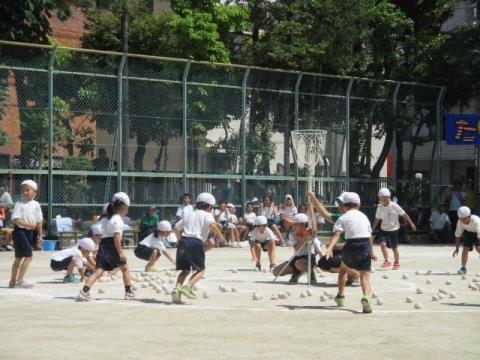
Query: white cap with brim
206, 198
87, 244
260, 220
300, 218
230, 205
164, 225
341, 196
351, 198
30, 183
97, 229
122, 197
384, 192
463, 212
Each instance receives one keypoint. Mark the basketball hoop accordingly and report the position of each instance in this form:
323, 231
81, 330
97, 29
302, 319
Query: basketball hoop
308, 149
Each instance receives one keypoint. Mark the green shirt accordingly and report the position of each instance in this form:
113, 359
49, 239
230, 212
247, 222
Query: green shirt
335, 217
148, 221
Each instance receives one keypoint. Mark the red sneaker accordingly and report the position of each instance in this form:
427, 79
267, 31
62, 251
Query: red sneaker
386, 265
396, 265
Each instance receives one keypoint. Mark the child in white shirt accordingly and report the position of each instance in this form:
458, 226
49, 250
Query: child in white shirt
262, 238
185, 208
75, 256
468, 227
304, 232
110, 254
358, 250
388, 212
193, 244
28, 219
152, 247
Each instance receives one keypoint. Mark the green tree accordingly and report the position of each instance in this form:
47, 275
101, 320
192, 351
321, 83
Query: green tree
196, 32
29, 20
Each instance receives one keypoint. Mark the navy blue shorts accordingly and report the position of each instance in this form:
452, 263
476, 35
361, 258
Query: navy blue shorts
60, 265
23, 241
389, 237
143, 252
107, 256
264, 244
301, 257
190, 254
470, 240
356, 254
334, 262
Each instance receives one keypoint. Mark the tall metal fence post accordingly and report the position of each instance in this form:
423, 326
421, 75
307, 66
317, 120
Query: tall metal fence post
120, 122
438, 149
244, 134
394, 106
50, 140
296, 120
184, 127
347, 134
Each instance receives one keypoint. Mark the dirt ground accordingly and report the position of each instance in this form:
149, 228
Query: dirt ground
47, 323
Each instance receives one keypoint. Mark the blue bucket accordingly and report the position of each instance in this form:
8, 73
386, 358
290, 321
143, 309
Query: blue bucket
49, 245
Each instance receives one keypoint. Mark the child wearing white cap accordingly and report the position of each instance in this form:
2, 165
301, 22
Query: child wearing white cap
388, 212
468, 227
96, 233
75, 256
152, 247
110, 254
191, 248
262, 238
27, 218
304, 230
358, 250
334, 263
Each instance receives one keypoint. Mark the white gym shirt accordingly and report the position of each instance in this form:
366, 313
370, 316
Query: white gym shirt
473, 226
389, 216
196, 225
28, 211
354, 224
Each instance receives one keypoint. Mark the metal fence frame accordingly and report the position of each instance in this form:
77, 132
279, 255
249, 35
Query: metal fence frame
185, 83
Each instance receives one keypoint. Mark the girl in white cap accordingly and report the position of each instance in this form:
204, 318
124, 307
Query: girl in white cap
75, 256
152, 247
358, 250
304, 230
388, 212
334, 263
110, 253
262, 238
193, 244
468, 226
27, 218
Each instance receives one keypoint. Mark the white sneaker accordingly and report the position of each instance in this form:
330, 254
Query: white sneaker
84, 296
130, 296
24, 285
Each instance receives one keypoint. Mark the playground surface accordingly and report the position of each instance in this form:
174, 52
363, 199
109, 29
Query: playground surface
47, 323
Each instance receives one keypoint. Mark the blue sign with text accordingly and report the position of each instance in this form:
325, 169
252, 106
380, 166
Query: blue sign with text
463, 129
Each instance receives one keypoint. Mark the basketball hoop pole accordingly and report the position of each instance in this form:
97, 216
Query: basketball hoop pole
308, 149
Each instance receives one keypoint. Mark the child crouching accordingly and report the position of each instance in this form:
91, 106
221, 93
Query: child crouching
152, 247
73, 257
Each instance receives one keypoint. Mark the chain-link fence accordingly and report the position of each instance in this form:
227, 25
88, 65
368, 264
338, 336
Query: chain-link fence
86, 123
